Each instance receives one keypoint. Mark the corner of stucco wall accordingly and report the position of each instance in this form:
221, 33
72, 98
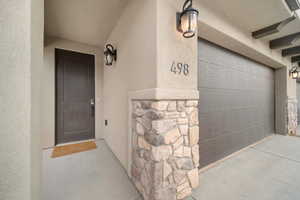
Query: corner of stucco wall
20, 150
152, 155
134, 36
37, 45
157, 29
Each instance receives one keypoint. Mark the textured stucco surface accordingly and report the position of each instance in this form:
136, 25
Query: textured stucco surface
37, 44
20, 57
15, 100
89, 21
134, 36
173, 47
147, 43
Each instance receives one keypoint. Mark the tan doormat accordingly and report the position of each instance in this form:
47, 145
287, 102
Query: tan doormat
73, 148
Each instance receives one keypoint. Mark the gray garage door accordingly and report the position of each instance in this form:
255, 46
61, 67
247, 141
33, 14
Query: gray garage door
236, 106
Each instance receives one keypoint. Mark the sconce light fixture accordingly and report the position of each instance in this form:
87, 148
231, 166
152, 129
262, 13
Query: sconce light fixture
295, 73
110, 54
187, 20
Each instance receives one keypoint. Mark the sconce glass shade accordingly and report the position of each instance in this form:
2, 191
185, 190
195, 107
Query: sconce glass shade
109, 59
110, 55
294, 73
187, 20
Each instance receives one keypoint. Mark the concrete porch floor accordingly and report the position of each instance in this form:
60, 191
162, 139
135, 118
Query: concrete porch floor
267, 171
90, 175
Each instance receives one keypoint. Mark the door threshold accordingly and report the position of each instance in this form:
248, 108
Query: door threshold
76, 142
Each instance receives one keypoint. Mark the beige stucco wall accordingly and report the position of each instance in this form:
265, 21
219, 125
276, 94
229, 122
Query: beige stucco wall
21, 39
147, 43
135, 39
37, 42
173, 47
48, 86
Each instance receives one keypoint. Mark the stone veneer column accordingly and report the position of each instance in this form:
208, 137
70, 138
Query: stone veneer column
165, 156
291, 116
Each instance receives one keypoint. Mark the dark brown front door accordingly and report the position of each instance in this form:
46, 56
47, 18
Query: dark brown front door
75, 96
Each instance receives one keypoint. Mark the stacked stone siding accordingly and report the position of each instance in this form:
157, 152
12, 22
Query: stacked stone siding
291, 115
165, 156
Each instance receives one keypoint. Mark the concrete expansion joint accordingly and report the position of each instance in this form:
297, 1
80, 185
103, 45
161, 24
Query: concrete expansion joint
275, 155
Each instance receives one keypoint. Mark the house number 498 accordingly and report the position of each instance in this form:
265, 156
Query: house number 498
180, 68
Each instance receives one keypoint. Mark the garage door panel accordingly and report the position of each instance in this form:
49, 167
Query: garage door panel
206, 128
224, 144
227, 76
215, 101
203, 74
209, 78
228, 121
236, 105
220, 119
208, 150
237, 142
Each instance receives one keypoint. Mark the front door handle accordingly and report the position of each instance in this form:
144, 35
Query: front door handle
92, 102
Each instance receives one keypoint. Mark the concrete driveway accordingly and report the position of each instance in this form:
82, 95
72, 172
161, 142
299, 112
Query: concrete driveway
267, 171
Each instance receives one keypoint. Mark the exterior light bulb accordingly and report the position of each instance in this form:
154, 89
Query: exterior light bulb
295, 74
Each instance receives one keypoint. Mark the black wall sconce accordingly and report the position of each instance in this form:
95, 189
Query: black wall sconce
110, 54
294, 73
187, 20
